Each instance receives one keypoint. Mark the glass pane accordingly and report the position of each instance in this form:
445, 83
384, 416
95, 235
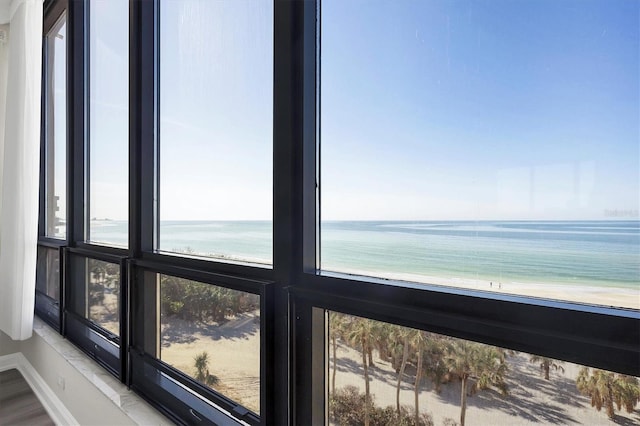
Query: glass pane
212, 334
103, 283
216, 78
485, 146
447, 381
55, 137
48, 272
108, 121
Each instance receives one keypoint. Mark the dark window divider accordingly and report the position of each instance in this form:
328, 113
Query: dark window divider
77, 110
210, 265
239, 283
95, 342
123, 301
592, 338
50, 242
101, 249
97, 255
206, 394
155, 383
48, 310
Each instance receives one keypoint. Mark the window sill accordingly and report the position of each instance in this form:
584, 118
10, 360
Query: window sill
129, 403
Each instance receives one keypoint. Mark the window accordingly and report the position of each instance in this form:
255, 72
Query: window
48, 284
215, 136
222, 327
108, 143
94, 305
55, 129
48, 272
472, 147
259, 221
52, 223
448, 381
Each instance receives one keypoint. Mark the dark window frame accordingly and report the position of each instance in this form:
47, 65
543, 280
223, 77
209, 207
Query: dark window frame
294, 294
47, 308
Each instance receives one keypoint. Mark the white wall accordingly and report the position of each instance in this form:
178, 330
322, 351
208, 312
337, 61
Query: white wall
7, 346
86, 403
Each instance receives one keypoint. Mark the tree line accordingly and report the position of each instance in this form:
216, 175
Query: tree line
443, 359
195, 301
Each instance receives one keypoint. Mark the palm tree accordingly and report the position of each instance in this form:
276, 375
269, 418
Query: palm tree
607, 389
382, 333
201, 363
403, 333
359, 334
546, 364
436, 367
419, 343
336, 322
485, 365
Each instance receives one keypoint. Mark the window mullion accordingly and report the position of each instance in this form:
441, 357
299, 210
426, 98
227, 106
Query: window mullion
77, 108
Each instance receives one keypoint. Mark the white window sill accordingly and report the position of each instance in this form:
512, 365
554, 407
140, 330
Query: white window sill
129, 403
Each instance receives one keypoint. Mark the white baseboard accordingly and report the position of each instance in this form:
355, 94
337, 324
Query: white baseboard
55, 408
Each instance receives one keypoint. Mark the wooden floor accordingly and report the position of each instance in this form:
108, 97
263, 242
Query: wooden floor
18, 404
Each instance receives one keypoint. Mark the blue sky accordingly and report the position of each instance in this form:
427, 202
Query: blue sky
430, 109
216, 102
108, 109
479, 109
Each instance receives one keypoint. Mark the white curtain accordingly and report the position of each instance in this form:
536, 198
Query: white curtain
20, 70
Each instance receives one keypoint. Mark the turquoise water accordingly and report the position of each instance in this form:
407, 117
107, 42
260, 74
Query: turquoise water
597, 253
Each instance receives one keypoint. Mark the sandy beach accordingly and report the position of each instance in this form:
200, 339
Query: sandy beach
233, 348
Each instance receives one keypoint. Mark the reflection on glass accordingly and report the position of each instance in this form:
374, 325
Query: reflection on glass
216, 96
48, 272
399, 375
470, 145
103, 294
212, 334
55, 87
108, 121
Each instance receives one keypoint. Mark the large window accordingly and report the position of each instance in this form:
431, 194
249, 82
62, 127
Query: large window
324, 212
216, 131
485, 147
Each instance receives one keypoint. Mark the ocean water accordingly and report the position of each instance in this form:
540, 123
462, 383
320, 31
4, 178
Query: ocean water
585, 253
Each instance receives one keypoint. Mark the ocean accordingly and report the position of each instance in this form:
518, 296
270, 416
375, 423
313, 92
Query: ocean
578, 253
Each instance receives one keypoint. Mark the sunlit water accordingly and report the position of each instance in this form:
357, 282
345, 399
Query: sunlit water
585, 253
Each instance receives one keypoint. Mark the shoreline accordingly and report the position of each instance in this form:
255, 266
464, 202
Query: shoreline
591, 295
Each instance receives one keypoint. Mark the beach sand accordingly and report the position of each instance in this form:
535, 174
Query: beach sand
233, 348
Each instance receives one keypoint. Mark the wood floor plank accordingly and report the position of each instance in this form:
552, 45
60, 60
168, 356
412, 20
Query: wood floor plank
18, 404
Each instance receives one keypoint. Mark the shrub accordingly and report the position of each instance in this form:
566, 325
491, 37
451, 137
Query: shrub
346, 408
